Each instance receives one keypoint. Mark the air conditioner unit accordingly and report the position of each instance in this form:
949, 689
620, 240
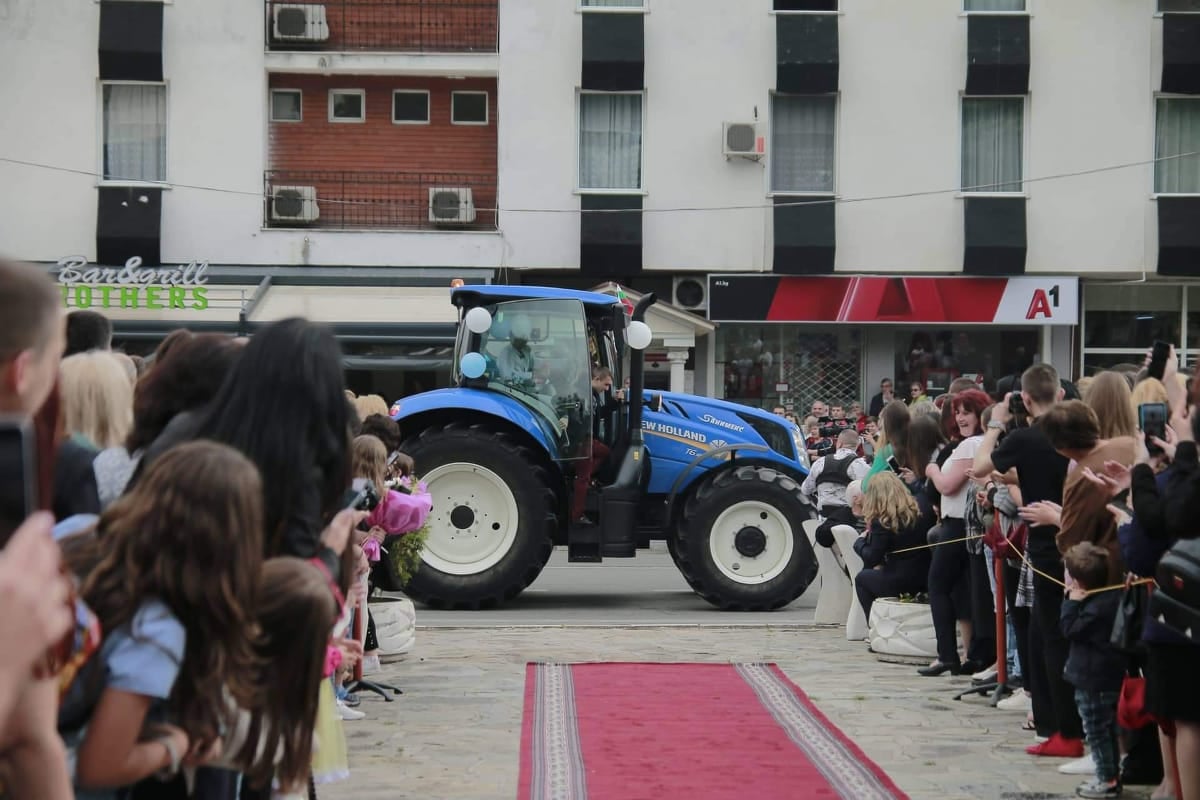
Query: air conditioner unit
742, 139
451, 206
296, 22
690, 292
294, 204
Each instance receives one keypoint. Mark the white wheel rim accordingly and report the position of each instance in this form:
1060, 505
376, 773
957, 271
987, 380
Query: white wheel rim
467, 542
777, 552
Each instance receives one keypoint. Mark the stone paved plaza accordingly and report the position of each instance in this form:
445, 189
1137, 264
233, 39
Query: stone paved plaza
455, 733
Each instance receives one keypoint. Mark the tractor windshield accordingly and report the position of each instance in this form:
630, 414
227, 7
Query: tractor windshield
537, 353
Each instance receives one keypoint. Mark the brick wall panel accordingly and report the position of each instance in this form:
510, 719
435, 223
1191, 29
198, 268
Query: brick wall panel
363, 159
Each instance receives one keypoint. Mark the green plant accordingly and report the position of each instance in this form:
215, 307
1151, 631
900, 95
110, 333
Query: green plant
405, 552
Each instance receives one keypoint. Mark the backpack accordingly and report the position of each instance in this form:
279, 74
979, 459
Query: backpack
1177, 602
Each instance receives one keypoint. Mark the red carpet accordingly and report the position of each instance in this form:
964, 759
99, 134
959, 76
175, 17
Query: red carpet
691, 731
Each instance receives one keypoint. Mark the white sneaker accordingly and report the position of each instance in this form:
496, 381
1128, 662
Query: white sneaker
986, 675
1017, 701
1080, 766
346, 713
371, 665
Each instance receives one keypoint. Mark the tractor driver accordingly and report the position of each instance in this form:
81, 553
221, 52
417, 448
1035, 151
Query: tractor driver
603, 409
515, 361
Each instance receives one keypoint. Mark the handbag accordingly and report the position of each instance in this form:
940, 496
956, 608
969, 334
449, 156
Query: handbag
1177, 601
1131, 706
1131, 616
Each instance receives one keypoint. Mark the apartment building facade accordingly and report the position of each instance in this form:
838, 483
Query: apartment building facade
850, 189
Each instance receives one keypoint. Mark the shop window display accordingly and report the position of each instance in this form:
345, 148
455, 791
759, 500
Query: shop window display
934, 358
813, 362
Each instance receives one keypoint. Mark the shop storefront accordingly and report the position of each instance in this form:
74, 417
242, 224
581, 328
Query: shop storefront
791, 340
396, 328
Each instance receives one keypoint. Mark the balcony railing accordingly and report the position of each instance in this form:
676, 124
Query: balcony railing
421, 26
379, 200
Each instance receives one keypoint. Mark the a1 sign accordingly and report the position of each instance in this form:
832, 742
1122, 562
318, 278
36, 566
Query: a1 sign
1053, 301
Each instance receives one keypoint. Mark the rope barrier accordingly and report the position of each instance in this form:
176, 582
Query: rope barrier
1025, 558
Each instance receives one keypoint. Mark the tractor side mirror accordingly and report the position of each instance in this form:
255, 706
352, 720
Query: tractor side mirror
655, 401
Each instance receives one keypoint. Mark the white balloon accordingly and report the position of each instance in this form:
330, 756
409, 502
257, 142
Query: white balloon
478, 320
639, 335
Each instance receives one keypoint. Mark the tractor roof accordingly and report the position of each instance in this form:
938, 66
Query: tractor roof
476, 294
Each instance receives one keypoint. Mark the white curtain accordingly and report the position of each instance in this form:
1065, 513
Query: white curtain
802, 143
1177, 132
992, 144
610, 141
135, 132
994, 5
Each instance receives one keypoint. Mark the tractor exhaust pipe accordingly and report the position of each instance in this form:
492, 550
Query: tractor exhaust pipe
637, 372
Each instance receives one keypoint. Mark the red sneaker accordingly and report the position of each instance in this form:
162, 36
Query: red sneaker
1057, 747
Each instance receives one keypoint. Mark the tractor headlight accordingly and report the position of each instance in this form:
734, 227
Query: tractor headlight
801, 448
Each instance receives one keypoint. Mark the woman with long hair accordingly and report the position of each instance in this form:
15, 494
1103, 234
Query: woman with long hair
1110, 397
894, 422
97, 398
171, 577
185, 379
896, 521
949, 570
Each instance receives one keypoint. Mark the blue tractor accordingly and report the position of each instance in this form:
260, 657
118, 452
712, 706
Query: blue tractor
506, 449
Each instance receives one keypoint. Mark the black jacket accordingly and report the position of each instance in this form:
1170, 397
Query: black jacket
878, 545
1093, 664
74, 481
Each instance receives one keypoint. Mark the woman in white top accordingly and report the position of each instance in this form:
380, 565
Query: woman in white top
949, 570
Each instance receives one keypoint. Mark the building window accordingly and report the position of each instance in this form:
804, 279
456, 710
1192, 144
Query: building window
805, 5
589, 5
610, 141
1177, 133
1178, 6
347, 105
135, 132
286, 105
994, 5
1121, 322
803, 143
468, 108
410, 107
993, 143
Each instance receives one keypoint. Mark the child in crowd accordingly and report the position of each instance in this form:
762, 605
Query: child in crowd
398, 513
1094, 668
170, 572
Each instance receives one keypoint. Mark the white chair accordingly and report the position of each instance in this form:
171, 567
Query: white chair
833, 603
856, 620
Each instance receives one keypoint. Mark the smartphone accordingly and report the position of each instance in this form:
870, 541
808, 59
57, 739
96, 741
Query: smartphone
1152, 419
18, 475
1158, 359
893, 464
1016, 405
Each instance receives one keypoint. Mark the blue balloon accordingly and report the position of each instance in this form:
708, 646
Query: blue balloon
472, 365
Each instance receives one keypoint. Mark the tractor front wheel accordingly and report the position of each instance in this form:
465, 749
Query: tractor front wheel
491, 524
740, 543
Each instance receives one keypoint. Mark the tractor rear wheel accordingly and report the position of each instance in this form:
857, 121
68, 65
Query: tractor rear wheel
492, 520
740, 543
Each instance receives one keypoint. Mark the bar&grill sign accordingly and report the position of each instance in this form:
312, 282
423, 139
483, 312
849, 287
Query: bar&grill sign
132, 285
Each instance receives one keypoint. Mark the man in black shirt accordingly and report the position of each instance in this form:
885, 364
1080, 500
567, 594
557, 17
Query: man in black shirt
880, 400
1040, 473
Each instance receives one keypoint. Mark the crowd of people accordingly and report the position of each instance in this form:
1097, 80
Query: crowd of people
1061, 485
189, 542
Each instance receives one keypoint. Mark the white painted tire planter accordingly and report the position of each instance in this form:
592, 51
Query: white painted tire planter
902, 629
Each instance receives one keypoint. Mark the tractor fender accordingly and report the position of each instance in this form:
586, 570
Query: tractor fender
674, 501
419, 411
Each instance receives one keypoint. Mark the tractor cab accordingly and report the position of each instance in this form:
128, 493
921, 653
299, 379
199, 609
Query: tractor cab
537, 347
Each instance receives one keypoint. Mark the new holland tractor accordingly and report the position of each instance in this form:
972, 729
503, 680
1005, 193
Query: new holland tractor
501, 453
